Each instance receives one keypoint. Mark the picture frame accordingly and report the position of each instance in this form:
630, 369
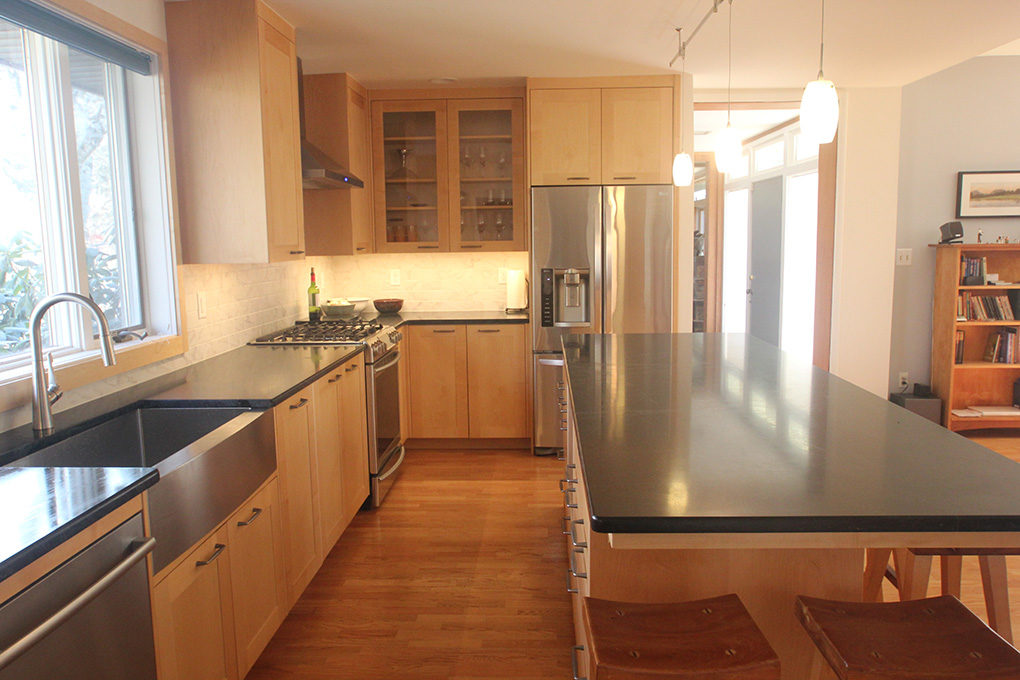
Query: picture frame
991, 193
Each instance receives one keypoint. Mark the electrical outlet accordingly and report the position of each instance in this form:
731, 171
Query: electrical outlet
501, 277
200, 306
394, 277
904, 379
904, 257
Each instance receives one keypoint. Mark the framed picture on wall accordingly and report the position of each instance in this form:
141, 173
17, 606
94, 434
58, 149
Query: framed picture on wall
995, 193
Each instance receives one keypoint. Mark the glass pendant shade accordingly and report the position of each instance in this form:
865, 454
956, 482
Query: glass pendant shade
683, 170
819, 111
728, 149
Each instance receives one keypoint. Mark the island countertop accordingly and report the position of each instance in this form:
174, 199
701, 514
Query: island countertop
723, 433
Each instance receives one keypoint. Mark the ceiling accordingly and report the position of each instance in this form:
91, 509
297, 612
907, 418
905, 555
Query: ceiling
397, 43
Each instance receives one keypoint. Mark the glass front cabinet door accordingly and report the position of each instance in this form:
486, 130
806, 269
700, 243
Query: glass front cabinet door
409, 147
486, 166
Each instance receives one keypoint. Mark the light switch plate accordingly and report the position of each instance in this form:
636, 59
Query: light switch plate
200, 306
394, 277
904, 257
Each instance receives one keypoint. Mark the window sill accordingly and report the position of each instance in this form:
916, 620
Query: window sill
16, 386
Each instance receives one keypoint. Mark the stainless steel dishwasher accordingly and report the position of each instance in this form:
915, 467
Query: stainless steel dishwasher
88, 619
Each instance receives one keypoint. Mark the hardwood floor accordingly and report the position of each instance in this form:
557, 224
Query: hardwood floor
460, 575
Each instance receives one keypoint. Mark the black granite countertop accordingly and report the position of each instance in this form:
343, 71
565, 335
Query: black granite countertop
713, 433
403, 318
43, 507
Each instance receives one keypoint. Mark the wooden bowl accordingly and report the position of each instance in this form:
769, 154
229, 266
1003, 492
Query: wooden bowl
388, 305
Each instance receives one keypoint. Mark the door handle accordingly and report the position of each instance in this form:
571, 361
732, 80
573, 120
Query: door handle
299, 404
255, 512
220, 547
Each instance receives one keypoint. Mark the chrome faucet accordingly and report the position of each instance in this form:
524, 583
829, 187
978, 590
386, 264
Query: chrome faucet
44, 395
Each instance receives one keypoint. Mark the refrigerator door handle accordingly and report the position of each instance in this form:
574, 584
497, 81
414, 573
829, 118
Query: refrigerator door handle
595, 238
610, 241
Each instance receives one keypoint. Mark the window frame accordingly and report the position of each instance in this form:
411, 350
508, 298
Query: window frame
155, 211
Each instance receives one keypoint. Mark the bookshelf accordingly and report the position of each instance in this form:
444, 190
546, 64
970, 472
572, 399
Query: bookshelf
970, 379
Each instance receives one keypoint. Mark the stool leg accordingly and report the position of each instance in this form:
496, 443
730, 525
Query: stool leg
951, 568
874, 572
996, 583
913, 572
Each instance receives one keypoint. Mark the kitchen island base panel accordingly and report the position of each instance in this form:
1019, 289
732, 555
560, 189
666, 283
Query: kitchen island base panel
766, 580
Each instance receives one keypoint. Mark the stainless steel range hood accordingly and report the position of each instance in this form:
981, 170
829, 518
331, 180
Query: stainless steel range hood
318, 169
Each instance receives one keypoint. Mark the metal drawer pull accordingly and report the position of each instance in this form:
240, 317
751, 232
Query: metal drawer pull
569, 589
573, 565
424, 247
572, 506
220, 547
361, 248
333, 379
352, 367
299, 404
571, 466
566, 481
255, 512
563, 524
573, 537
470, 245
623, 177
573, 659
36, 635
297, 252
444, 330
488, 330
572, 179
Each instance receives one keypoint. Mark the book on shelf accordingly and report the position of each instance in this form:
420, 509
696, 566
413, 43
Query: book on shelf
1001, 347
995, 307
974, 271
959, 346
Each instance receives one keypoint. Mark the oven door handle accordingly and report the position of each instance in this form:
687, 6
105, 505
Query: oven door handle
395, 467
380, 369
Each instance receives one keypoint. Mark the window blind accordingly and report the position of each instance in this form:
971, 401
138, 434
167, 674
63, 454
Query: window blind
59, 27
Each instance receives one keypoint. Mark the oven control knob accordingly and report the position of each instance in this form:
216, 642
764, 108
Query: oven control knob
378, 346
395, 336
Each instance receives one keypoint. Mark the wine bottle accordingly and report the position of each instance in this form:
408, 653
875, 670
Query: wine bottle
314, 313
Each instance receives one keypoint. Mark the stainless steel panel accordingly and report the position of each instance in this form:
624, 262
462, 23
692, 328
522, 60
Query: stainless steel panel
109, 638
638, 259
548, 416
382, 382
565, 233
383, 482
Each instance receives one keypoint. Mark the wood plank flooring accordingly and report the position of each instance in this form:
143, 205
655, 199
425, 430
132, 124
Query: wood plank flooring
460, 575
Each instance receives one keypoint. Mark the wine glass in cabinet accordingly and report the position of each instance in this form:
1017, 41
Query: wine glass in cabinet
409, 146
486, 170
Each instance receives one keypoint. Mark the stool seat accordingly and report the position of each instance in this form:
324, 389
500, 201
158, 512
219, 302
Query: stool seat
713, 639
930, 639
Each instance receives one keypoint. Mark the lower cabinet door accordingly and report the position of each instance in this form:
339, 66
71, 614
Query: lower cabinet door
497, 380
257, 579
439, 381
353, 439
328, 455
192, 616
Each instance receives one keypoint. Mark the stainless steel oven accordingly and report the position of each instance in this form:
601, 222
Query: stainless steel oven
385, 453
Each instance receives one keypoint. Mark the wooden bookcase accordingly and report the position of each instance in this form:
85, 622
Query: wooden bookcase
975, 381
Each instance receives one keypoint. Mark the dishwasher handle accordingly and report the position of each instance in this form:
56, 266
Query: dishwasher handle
34, 636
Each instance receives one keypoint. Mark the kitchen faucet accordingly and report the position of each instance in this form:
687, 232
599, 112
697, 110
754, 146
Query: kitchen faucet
43, 395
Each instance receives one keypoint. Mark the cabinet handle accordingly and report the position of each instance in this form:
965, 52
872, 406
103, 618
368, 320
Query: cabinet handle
566, 481
573, 565
220, 547
563, 525
333, 379
352, 367
488, 330
573, 537
573, 659
297, 252
571, 179
299, 404
625, 178
470, 245
424, 247
572, 506
571, 591
255, 512
442, 330
361, 248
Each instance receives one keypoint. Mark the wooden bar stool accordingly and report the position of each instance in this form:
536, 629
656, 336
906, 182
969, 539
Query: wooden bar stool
924, 639
713, 639
913, 570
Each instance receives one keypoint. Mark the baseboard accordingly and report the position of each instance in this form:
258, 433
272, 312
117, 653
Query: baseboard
466, 444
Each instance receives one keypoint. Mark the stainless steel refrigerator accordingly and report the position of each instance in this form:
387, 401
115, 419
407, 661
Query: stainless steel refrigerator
602, 262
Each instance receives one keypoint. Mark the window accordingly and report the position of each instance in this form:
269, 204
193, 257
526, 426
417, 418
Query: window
770, 155
82, 143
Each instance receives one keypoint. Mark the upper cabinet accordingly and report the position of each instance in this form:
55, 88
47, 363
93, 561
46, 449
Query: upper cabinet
233, 66
337, 121
449, 175
613, 135
566, 136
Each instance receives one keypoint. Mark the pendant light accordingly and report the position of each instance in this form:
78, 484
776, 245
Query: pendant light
728, 145
819, 106
683, 164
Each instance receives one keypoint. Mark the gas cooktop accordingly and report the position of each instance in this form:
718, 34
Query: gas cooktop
324, 332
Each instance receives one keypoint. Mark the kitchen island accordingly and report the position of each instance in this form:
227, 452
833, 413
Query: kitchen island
711, 463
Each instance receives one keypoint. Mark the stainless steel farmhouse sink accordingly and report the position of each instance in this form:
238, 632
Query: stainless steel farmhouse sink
210, 459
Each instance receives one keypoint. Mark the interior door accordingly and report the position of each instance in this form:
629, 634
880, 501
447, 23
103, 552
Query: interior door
766, 246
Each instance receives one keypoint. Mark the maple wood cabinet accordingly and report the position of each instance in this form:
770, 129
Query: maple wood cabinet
337, 121
617, 135
233, 67
354, 438
468, 380
328, 458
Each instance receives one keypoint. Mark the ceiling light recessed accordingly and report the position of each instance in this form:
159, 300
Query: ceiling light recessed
446, 80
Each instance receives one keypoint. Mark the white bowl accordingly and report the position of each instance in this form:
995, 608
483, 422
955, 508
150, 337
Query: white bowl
360, 303
333, 310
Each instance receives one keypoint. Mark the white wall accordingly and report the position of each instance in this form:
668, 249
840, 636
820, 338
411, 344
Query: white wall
864, 254
147, 15
962, 118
